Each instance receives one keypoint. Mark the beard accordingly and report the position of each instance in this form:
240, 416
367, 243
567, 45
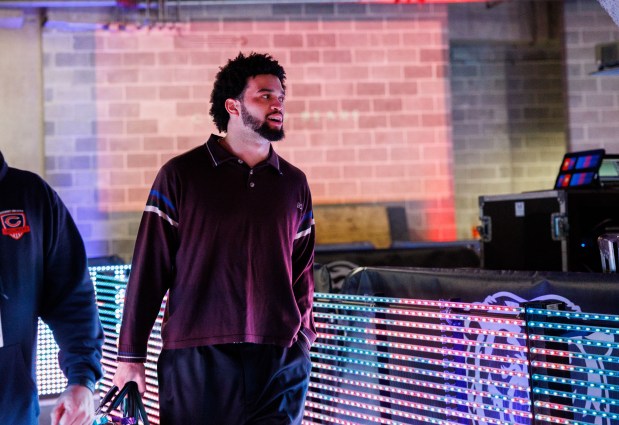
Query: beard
261, 127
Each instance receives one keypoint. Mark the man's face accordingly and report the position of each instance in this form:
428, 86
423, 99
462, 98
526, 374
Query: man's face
262, 106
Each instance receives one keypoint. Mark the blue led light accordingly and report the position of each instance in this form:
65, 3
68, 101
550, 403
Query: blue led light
574, 315
576, 355
579, 410
575, 382
556, 420
574, 341
574, 328
574, 396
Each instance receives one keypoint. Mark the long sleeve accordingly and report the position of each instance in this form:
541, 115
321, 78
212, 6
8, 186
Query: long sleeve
152, 269
68, 303
302, 266
232, 247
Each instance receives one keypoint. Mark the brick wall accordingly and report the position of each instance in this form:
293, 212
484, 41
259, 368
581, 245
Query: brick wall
508, 121
21, 85
593, 100
519, 104
368, 109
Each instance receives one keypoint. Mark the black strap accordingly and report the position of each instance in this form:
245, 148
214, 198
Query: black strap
106, 399
133, 406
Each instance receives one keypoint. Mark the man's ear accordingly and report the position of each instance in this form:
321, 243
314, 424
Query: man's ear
233, 106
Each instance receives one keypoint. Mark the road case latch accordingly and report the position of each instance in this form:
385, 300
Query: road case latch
485, 229
559, 226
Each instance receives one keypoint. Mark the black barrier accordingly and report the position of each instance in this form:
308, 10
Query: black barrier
341, 261
594, 292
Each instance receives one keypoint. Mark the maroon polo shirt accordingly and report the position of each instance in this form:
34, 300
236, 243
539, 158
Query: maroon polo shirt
233, 246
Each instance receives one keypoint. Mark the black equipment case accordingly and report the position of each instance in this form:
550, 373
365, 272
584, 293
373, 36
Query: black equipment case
553, 230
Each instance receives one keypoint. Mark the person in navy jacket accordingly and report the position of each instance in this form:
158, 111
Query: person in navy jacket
43, 273
228, 233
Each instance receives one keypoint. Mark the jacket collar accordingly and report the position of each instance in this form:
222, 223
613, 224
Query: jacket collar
3, 167
219, 154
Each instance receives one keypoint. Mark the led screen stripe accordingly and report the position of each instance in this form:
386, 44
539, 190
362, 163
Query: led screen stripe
575, 367
389, 360
417, 336
384, 360
412, 383
429, 376
343, 298
110, 290
417, 348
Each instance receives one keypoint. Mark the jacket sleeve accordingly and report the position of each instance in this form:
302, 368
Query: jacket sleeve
68, 304
303, 268
152, 268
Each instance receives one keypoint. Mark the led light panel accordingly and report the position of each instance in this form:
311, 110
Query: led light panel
110, 297
380, 360
50, 380
417, 361
574, 360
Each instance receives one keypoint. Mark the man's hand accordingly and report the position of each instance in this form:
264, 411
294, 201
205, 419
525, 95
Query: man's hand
130, 372
74, 407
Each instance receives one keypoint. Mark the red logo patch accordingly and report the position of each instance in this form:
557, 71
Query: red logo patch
14, 223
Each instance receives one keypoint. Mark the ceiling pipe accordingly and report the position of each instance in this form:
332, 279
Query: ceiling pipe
24, 4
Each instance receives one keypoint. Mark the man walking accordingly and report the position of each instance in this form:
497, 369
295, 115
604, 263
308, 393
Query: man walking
43, 273
228, 231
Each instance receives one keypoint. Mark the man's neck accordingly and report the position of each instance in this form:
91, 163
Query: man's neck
252, 150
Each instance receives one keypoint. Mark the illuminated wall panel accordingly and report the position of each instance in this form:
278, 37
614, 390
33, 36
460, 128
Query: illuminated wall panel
401, 361
50, 380
111, 296
574, 367
388, 360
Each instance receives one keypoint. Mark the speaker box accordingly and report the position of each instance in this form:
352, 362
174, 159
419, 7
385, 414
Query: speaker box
554, 230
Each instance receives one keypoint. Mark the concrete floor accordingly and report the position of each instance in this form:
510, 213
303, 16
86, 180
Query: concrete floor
46, 408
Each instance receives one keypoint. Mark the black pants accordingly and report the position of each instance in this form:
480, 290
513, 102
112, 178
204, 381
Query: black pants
233, 384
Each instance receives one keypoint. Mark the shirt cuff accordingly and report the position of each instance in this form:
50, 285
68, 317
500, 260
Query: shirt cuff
84, 382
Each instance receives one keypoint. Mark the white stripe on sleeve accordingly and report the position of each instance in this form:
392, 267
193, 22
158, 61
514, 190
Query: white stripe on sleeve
150, 208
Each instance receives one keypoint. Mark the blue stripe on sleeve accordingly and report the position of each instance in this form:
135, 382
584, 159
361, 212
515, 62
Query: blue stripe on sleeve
159, 195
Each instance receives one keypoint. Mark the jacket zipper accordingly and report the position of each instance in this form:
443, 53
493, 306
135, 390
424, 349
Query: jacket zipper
2, 296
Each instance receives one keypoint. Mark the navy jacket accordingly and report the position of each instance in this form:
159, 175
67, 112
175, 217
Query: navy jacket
43, 273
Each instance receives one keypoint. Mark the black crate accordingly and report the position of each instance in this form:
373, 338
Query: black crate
552, 230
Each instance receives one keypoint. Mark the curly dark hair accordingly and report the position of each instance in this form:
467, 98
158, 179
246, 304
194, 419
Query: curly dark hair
231, 81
